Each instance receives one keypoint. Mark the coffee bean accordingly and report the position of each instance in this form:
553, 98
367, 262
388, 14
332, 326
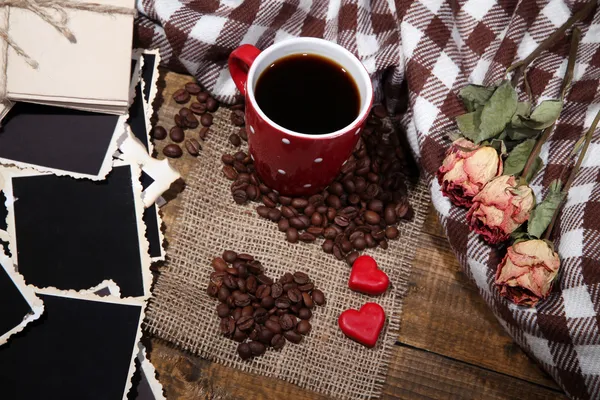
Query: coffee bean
198, 108
274, 214
278, 342
229, 256
294, 295
181, 96
244, 351
301, 278
287, 322
203, 133
159, 132
341, 221
263, 291
229, 172
227, 326
172, 150
206, 119
257, 348
290, 286
193, 88
268, 202
292, 235
292, 336
202, 97
245, 323
237, 117
193, 147
330, 233
318, 297
260, 315
211, 104
276, 290
176, 134
239, 335
283, 225
345, 245
223, 293
251, 284
227, 159
390, 214
392, 232
337, 252
307, 237
237, 313
286, 278
247, 311
371, 242
299, 203
179, 121
255, 267
253, 335
307, 287
235, 140
303, 327
243, 135
359, 243
263, 211
191, 121
212, 290
327, 246
307, 300
184, 112
242, 300
273, 326
240, 196
267, 302
371, 217
351, 257
232, 271
315, 231
265, 336
305, 313
219, 264
282, 303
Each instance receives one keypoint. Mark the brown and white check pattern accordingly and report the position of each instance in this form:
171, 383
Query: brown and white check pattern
438, 47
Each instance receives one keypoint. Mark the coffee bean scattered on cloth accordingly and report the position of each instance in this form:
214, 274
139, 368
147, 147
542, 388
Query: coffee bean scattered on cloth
182, 312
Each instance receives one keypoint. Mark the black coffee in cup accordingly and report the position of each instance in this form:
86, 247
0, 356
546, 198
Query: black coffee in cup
308, 93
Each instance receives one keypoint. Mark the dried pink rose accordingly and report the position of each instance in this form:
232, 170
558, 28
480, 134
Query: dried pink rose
527, 272
500, 208
466, 169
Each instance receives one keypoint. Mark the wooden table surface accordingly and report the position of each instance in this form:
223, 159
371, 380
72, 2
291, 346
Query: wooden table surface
450, 344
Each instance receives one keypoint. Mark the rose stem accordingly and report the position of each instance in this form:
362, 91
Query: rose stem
535, 152
571, 178
549, 41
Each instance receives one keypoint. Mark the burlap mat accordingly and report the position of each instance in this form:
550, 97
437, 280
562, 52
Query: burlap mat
210, 222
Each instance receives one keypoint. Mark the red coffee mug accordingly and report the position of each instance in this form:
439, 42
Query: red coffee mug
294, 163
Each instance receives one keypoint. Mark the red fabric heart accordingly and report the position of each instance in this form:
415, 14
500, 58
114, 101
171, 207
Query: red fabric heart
366, 277
363, 326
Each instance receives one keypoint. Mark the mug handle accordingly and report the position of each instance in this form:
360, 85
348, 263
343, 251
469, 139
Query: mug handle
239, 62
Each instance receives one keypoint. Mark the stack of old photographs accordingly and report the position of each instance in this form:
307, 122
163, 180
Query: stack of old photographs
79, 229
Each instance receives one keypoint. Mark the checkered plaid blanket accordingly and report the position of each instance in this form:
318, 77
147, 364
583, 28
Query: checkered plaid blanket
438, 47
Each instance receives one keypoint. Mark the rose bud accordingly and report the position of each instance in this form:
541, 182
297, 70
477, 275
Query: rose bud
527, 272
466, 169
500, 208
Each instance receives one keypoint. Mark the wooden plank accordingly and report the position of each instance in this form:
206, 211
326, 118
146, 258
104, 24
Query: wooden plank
417, 374
443, 313
185, 376
432, 224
